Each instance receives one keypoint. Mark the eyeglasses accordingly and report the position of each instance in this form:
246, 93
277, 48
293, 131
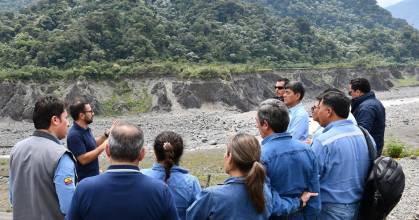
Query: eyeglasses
91, 111
279, 87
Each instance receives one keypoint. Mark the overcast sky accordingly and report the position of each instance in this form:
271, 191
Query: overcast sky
385, 3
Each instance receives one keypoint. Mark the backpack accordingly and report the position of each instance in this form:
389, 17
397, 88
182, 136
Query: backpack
384, 185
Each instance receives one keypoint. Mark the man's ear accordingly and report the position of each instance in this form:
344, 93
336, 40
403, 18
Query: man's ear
55, 120
299, 95
142, 154
107, 150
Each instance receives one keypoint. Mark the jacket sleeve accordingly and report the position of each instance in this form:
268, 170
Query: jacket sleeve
282, 205
64, 181
201, 208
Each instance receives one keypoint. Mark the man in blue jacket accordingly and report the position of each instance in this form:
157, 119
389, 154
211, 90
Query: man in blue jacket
291, 166
122, 192
369, 112
342, 154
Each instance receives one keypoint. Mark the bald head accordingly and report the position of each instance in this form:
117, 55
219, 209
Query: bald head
125, 142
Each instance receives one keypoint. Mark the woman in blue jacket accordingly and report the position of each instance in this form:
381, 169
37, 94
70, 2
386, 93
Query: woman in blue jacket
244, 195
168, 148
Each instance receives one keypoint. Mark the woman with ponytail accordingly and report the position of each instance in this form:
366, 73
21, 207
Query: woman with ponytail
168, 148
244, 194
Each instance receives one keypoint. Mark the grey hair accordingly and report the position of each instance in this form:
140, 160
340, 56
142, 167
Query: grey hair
125, 142
275, 113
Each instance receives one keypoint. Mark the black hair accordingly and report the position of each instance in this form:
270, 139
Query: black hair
45, 108
360, 84
283, 79
76, 108
168, 147
296, 87
338, 102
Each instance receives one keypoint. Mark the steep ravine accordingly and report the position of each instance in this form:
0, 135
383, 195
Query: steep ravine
239, 92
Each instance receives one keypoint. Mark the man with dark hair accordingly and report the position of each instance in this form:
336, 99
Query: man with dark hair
42, 170
81, 142
299, 120
343, 159
369, 112
280, 88
122, 192
290, 165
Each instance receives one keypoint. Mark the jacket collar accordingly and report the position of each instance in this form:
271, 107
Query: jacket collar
232, 180
123, 167
43, 134
175, 168
337, 123
276, 136
358, 100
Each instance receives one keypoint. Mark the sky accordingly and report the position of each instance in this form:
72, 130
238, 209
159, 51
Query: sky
385, 3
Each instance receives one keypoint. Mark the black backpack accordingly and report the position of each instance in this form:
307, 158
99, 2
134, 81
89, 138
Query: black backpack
384, 185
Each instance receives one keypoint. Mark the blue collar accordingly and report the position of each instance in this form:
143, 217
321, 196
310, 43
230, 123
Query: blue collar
276, 136
233, 179
123, 167
296, 107
78, 127
358, 100
43, 134
337, 124
175, 168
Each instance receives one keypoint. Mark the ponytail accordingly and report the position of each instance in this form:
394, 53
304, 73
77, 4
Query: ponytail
169, 161
254, 182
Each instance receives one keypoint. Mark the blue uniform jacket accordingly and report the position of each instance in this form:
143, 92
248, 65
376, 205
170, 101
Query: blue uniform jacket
292, 169
342, 154
227, 202
299, 122
370, 113
183, 186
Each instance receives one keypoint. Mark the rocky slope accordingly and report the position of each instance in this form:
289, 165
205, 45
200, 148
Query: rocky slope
237, 92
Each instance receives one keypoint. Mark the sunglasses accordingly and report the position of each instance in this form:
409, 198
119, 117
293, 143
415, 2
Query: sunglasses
279, 87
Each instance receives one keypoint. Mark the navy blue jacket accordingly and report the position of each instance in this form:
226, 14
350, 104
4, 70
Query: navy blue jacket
122, 192
370, 113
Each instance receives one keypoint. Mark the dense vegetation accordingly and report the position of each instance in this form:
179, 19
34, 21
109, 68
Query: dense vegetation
129, 37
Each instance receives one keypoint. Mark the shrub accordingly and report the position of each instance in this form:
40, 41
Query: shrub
395, 148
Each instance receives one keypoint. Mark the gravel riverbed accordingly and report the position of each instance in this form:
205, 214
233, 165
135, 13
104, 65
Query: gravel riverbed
211, 128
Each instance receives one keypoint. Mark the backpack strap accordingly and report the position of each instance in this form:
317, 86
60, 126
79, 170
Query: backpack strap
371, 149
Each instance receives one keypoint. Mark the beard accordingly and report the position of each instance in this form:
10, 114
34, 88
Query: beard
89, 121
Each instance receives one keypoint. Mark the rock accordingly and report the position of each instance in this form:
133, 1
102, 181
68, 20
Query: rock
204, 140
212, 142
413, 157
162, 103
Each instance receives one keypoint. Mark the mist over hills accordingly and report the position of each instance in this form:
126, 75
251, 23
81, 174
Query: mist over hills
408, 10
91, 36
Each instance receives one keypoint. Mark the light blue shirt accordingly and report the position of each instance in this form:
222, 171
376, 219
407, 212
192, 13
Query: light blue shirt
64, 181
343, 159
228, 202
299, 122
183, 186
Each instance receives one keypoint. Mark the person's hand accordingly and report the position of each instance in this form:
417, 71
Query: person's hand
309, 141
306, 196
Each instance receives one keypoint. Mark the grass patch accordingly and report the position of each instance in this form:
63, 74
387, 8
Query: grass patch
407, 81
200, 163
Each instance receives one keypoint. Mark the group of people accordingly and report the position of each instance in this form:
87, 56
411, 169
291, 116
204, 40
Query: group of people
289, 175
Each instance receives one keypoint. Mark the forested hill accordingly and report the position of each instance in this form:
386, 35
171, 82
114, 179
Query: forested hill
93, 35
